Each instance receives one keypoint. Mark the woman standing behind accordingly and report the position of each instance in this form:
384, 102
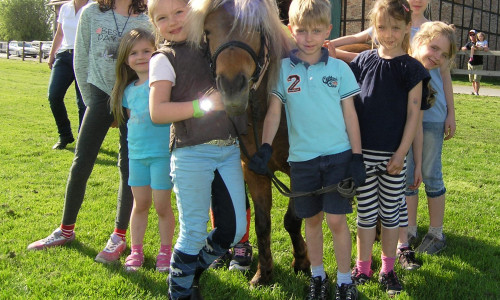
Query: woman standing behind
62, 75
100, 29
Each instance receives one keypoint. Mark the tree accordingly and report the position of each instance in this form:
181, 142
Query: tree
25, 20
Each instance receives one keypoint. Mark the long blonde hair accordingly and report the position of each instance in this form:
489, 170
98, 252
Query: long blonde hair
431, 30
396, 9
124, 74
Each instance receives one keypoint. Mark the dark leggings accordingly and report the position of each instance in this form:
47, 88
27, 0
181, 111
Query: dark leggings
94, 128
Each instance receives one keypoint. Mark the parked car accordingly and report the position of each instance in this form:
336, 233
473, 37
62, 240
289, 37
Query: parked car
16, 48
46, 45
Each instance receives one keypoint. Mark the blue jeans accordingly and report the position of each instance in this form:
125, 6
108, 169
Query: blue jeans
193, 170
431, 161
61, 77
95, 126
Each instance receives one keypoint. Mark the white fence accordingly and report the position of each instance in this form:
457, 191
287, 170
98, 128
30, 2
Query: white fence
478, 72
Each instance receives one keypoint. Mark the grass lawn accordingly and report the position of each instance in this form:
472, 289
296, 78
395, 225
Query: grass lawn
33, 179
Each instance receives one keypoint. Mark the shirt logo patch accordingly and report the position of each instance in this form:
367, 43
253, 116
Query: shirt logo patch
330, 81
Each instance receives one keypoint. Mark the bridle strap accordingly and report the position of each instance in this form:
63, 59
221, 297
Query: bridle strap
260, 60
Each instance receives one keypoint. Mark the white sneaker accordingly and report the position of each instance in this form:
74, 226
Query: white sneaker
114, 248
54, 239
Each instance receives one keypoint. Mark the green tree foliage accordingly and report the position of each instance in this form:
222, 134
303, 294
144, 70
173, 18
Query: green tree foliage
25, 20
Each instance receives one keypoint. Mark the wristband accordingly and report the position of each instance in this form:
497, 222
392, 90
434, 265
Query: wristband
197, 112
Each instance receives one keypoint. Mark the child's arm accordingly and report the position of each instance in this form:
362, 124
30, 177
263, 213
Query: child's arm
272, 120
449, 124
396, 163
417, 147
352, 124
360, 37
82, 50
356, 167
258, 162
163, 111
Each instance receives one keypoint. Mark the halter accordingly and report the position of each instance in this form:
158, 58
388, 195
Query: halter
261, 61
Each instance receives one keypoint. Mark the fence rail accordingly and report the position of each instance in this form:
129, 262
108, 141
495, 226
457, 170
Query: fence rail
478, 72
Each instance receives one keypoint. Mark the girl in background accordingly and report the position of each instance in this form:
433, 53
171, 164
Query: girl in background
149, 157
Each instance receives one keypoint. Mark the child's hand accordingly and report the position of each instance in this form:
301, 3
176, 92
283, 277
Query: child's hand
331, 48
114, 124
215, 100
395, 164
449, 127
417, 178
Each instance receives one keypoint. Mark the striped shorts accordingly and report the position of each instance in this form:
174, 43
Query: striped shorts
382, 196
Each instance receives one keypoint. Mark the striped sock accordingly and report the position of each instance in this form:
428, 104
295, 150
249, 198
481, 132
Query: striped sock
67, 230
121, 233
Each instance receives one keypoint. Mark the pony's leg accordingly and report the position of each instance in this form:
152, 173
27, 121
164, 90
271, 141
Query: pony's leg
260, 190
293, 225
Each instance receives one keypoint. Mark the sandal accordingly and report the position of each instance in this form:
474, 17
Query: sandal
134, 261
163, 261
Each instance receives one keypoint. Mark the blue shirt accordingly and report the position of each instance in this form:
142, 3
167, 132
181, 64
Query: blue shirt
439, 111
145, 139
312, 96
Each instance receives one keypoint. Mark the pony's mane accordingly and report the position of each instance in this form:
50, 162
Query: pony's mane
250, 16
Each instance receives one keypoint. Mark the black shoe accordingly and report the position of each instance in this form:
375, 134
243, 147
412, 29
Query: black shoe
407, 259
318, 289
391, 283
242, 257
62, 143
221, 262
346, 292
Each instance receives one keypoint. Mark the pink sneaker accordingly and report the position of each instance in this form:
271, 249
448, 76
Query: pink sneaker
163, 261
114, 248
54, 239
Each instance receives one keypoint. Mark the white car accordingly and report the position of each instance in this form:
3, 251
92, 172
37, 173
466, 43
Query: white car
46, 45
16, 48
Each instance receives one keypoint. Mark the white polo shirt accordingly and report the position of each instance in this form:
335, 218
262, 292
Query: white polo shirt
69, 21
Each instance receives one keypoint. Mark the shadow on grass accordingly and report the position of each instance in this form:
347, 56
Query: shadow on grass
456, 271
102, 152
142, 279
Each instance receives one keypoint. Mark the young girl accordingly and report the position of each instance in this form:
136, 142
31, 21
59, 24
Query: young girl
388, 110
149, 157
203, 147
434, 46
100, 28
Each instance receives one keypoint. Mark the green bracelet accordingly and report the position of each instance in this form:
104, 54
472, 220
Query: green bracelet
198, 113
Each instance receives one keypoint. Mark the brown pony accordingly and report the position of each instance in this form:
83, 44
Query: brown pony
246, 41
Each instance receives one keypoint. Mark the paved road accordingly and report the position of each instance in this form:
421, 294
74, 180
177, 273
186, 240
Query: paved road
483, 91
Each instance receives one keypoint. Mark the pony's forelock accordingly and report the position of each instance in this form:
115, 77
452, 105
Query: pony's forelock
249, 16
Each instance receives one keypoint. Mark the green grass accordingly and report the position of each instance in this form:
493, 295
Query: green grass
33, 179
486, 81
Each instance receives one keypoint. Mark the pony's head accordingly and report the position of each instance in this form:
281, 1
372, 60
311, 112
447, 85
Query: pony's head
245, 40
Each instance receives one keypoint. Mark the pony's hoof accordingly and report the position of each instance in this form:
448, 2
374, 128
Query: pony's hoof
259, 280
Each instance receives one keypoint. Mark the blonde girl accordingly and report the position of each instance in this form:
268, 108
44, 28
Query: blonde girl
434, 46
203, 149
149, 158
388, 110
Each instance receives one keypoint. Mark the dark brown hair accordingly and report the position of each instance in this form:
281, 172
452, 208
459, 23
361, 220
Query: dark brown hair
137, 6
